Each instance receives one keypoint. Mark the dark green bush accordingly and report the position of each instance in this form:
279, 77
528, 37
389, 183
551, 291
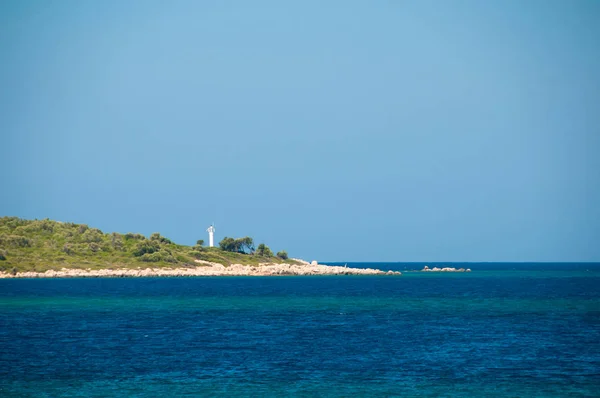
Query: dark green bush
158, 256
131, 235
146, 247
159, 238
92, 235
282, 255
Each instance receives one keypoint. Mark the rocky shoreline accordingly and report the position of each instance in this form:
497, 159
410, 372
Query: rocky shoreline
205, 268
445, 269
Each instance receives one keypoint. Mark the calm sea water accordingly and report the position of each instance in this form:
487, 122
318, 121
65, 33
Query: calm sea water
506, 330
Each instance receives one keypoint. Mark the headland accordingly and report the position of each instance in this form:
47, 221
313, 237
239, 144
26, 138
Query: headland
53, 249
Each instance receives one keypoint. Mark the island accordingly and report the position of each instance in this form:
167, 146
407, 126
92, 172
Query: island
54, 249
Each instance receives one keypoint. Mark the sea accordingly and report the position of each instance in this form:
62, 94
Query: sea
502, 330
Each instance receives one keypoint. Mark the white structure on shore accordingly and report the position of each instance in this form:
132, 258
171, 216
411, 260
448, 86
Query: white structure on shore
211, 235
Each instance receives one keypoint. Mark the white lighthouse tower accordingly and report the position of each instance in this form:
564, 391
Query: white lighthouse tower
211, 235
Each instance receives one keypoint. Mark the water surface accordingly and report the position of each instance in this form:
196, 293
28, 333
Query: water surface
501, 330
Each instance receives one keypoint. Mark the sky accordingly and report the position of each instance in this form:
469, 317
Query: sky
338, 130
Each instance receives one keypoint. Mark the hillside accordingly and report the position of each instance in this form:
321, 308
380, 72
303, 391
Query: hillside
41, 245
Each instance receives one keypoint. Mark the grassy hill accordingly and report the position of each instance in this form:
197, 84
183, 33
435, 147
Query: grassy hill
40, 245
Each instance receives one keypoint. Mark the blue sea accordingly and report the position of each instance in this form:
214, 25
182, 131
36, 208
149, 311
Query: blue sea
503, 330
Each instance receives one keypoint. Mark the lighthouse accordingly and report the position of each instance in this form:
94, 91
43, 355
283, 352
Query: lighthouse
211, 235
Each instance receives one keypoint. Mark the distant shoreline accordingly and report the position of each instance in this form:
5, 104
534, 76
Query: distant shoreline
204, 268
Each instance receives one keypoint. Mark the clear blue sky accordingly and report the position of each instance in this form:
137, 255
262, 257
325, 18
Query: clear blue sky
338, 130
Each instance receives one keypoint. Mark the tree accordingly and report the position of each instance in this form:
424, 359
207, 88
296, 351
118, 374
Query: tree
244, 244
227, 244
200, 242
239, 245
263, 251
282, 255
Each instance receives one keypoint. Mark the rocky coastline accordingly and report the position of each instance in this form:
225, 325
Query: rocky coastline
205, 268
445, 269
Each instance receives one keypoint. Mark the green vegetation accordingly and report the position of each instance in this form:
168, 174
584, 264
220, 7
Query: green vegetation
40, 245
263, 250
239, 245
282, 255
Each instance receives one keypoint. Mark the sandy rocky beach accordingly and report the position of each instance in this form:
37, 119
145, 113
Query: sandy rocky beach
205, 268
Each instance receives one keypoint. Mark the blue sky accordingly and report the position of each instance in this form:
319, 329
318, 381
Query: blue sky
339, 130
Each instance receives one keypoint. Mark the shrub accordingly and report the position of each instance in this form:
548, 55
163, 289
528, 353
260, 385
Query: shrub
46, 225
3, 255
82, 228
12, 222
92, 235
15, 241
159, 238
51, 243
282, 255
37, 226
196, 253
168, 258
68, 248
116, 241
158, 256
130, 235
146, 247
94, 247
151, 257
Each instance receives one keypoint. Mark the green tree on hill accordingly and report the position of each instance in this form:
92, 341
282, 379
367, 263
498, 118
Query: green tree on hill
246, 243
240, 245
263, 251
227, 244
